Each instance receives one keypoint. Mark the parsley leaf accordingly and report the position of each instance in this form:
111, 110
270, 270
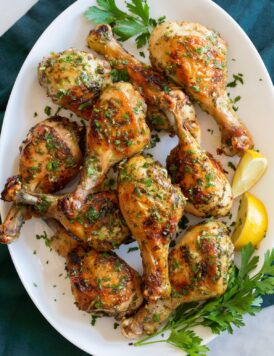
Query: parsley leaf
137, 23
188, 341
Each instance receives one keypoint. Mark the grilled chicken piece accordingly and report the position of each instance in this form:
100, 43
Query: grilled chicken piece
152, 208
99, 224
101, 282
117, 130
199, 267
74, 79
158, 92
199, 175
196, 58
50, 157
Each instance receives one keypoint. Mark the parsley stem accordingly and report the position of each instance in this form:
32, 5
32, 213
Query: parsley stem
149, 342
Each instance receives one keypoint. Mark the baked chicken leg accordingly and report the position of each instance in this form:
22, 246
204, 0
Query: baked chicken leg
50, 157
117, 129
199, 268
152, 208
101, 282
74, 79
196, 58
200, 177
99, 224
152, 85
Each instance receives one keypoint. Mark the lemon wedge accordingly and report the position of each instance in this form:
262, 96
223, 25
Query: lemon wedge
252, 222
251, 168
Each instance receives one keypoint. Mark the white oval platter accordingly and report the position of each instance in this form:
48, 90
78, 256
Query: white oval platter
39, 269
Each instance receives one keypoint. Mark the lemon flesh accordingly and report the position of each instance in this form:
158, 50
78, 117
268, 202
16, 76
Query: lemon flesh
249, 171
252, 222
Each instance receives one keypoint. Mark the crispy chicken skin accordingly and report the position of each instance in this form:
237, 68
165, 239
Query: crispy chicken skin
156, 89
99, 224
101, 282
152, 208
50, 157
199, 175
199, 267
74, 79
196, 58
117, 130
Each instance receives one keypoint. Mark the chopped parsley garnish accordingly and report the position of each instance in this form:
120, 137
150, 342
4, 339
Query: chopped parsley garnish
115, 325
237, 78
131, 249
231, 165
183, 223
52, 166
119, 75
47, 110
195, 88
92, 215
44, 236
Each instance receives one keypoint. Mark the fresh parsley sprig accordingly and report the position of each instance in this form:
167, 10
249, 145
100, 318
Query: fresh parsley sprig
125, 25
243, 296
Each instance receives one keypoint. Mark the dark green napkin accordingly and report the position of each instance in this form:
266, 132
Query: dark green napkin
23, 330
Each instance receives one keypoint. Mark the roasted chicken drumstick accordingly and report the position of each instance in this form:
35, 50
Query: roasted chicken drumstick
200, 177
117, 129
74, 79
160, 94
101, 282
50, 157
199, 268
152, 208
99, 224
196, 58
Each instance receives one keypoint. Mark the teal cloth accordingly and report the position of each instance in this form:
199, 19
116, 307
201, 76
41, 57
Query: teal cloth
23, 330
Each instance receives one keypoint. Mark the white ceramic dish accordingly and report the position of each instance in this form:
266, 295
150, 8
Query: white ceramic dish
38, 268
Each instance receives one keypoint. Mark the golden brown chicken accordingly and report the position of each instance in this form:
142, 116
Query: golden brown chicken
99, 224
74, 79
50, 157
117, 129
152, 85
196, 58
199, 267
200, 177
152, 208
101, 282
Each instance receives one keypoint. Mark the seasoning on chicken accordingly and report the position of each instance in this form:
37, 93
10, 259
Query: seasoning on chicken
199, 268
74, 79
152, 208
99, 224
116, 130
199, 175
152, 85
196, 58
50, 157
101, 282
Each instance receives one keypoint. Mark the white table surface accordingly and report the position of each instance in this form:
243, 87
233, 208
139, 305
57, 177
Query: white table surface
257, 337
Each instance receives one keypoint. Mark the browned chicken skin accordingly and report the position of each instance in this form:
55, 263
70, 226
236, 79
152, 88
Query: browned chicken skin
116, 130
199, 268
196, 58
158, 92
101, 282
99, 224
50, 157
74, 79
152, 208
200, 177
